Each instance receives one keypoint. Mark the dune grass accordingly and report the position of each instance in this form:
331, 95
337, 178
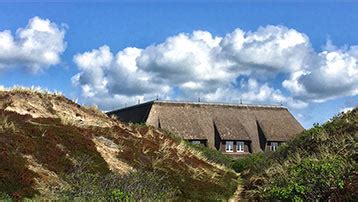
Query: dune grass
320, 164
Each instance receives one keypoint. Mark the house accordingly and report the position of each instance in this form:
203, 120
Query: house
234, 129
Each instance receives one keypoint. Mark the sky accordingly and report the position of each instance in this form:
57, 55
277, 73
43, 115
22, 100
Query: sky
301, 55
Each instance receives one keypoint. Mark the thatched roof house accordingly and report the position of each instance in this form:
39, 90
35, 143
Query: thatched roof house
232, 128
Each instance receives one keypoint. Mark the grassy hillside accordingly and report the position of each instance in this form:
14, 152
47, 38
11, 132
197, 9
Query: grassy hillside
321, 163
53, 148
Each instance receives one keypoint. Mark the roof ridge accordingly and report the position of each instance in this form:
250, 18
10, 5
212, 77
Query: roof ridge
218, 104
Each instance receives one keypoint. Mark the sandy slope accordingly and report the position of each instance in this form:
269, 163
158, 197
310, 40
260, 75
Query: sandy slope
49, 132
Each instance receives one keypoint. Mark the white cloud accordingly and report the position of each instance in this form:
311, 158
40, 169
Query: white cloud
93, 65
334, 74
112, 79
270, 48
184, 57
250, 91
188, 66
35, 47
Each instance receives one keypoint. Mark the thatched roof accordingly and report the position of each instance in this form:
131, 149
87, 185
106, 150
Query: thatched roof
202, 120
230, 130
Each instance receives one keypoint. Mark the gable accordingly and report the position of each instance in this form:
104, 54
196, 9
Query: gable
229, 127
278, 125
182, 120
134, 114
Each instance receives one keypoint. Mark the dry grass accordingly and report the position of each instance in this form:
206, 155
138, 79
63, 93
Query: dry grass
32, 90
6, 126
109, 152
46, 180
63, 131
94, 109
40, 103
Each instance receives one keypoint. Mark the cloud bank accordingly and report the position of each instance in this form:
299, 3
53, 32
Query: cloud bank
36, 47
238, 66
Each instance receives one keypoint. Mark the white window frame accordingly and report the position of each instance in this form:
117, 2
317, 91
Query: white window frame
240, 146
229, 146
196, 142
274, 146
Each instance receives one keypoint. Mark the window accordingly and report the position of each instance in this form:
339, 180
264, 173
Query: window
229, 146
274, 146
196, 142
240, 146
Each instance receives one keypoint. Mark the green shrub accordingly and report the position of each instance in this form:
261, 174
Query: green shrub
138, 125
147, 185
319, 164
174, 136
212, 155
86, 184
4, 197
118, 195
311, 179
249, 162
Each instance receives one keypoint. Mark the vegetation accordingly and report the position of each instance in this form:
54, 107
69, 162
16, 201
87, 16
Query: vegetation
320, 164
212, 155
45, 93
312, 178
174, 136
4, 197
253, 162
6, 126
186, 159
135, 125
85, 184
42, 138
93, 109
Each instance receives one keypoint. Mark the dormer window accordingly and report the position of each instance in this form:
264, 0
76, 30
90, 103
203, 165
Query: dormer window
240, 146
229, 146
274, 146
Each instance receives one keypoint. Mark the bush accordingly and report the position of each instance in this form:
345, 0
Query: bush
4, 197
311, 179
84, 184
319, 164
177, 138
138, 125
147, 185
118, 195
249, 162
212, 155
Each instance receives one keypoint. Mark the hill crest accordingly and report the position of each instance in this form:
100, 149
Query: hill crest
43, 135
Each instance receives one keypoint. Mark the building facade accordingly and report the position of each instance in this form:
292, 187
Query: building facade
234, 129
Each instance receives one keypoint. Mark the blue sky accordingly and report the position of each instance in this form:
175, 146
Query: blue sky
173, 66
